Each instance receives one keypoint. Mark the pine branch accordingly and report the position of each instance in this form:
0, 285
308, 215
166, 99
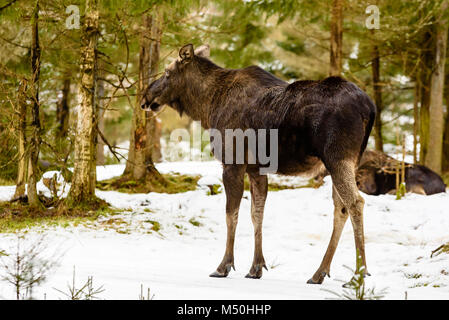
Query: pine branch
7, 5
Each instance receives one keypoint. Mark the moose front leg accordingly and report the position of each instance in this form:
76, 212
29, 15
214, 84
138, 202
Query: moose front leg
233, 177
259, 188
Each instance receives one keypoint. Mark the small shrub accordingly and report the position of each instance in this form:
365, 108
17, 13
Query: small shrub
27, 267
149, 296
214, 189
356, 289
85, 292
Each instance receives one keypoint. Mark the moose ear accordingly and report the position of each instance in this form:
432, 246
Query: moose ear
203, 51
186, 53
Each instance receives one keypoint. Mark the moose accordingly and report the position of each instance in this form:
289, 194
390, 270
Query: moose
377, 175
320, 123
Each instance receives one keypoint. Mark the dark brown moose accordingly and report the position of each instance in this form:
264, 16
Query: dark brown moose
325, 122
377, 175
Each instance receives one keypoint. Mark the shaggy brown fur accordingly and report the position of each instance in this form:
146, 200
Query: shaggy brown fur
325, 122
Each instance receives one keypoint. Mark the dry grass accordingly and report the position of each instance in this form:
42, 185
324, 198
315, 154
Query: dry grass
169, 183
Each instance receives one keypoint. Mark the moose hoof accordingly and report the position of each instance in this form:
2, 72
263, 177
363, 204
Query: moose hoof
318, 279
253, 276
217, 274
222, 274
256, 271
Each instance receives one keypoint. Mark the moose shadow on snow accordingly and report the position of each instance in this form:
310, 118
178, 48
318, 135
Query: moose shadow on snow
319, 123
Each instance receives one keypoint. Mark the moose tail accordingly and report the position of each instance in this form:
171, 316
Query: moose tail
369, 125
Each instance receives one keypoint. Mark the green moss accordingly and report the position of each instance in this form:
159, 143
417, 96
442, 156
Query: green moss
194, 222
156, 225
214, 189
6, 182
169, 183
73, 206
17, 216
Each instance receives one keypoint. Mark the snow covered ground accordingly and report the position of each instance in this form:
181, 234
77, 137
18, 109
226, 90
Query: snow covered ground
124, 251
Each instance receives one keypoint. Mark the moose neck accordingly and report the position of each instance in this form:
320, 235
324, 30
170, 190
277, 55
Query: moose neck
200, 86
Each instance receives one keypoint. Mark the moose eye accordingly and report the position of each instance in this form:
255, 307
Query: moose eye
167, 74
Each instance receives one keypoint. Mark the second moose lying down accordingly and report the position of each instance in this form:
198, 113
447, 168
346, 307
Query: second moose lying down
319, 122
377, 175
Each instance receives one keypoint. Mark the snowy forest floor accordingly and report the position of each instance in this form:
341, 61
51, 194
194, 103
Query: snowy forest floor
170, 243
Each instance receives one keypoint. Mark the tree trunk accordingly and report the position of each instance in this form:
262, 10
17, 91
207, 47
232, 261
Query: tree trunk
436, 113
377, 99
130, 159
140, 134
84, 175
35, 139
336, 49
100, 113
21, 133
445, 157
62, 112
424, 80
153, 151
140, 163
416, 122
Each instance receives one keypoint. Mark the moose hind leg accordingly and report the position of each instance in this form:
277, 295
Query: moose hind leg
340, 217
233, 182
259, 188
344, 181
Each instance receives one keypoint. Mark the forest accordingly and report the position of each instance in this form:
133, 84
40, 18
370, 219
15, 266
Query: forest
77, 151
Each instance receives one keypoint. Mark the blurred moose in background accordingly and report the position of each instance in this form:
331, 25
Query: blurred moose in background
376, 175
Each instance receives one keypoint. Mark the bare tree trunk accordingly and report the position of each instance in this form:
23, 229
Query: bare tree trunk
336, 49
140, 135
445, 157
35, 139
140, 163
62, 112
100, 113
130, 159
424, 80
377, 99
153, 152
100, 143
21, 132
436, 113
416, 122
84, 175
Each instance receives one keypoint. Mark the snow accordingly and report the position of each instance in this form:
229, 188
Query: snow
122, 252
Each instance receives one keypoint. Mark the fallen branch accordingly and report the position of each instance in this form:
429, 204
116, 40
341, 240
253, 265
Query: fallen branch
440, 249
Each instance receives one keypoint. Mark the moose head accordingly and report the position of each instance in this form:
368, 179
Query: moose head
168, 88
